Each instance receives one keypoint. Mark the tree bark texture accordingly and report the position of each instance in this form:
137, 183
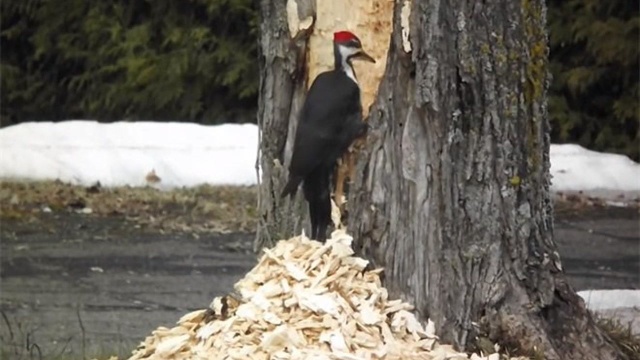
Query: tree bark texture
282, 89
451, 195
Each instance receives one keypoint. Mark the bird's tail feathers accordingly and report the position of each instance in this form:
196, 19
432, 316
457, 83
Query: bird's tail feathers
291, 187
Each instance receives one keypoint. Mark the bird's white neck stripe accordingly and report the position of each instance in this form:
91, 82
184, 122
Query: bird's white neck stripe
345, 52
348, 69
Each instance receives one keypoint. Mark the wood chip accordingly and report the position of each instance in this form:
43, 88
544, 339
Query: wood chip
303, 300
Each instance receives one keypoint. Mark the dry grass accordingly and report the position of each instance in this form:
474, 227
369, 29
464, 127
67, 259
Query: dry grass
195, 210
621, 335
578, 203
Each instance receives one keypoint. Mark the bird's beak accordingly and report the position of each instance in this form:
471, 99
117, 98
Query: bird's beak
364, 56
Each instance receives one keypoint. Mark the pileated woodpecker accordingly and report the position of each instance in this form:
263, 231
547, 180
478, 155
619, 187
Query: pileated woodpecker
331, 119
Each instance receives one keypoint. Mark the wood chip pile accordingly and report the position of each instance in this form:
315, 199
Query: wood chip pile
303, 300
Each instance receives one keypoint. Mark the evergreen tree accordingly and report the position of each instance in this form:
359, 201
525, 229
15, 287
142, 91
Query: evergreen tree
109, 60
595, 59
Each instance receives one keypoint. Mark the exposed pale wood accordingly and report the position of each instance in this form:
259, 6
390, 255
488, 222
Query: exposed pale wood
371, 21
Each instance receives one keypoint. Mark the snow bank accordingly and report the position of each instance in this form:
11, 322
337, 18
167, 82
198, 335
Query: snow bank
597, 300
123, 153
576, 168
186, 154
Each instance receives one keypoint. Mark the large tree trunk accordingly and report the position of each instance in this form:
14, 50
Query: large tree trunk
283, 48
452, 195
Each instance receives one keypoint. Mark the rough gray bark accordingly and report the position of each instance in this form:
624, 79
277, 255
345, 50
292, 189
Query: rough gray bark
282, 88
452, 196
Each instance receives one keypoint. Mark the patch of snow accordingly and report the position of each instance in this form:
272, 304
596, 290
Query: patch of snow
597, 300
186, 154
127, 153
617, 203
576, 168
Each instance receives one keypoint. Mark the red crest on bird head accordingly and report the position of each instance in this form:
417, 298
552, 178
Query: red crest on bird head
343, 36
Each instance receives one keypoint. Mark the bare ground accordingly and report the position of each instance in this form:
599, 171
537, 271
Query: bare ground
82, 283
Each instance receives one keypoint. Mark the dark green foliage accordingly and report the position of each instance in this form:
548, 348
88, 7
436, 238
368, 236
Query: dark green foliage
595, 62
189, 60
195, 60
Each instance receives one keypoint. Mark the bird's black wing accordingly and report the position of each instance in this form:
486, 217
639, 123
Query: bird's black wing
331, 107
